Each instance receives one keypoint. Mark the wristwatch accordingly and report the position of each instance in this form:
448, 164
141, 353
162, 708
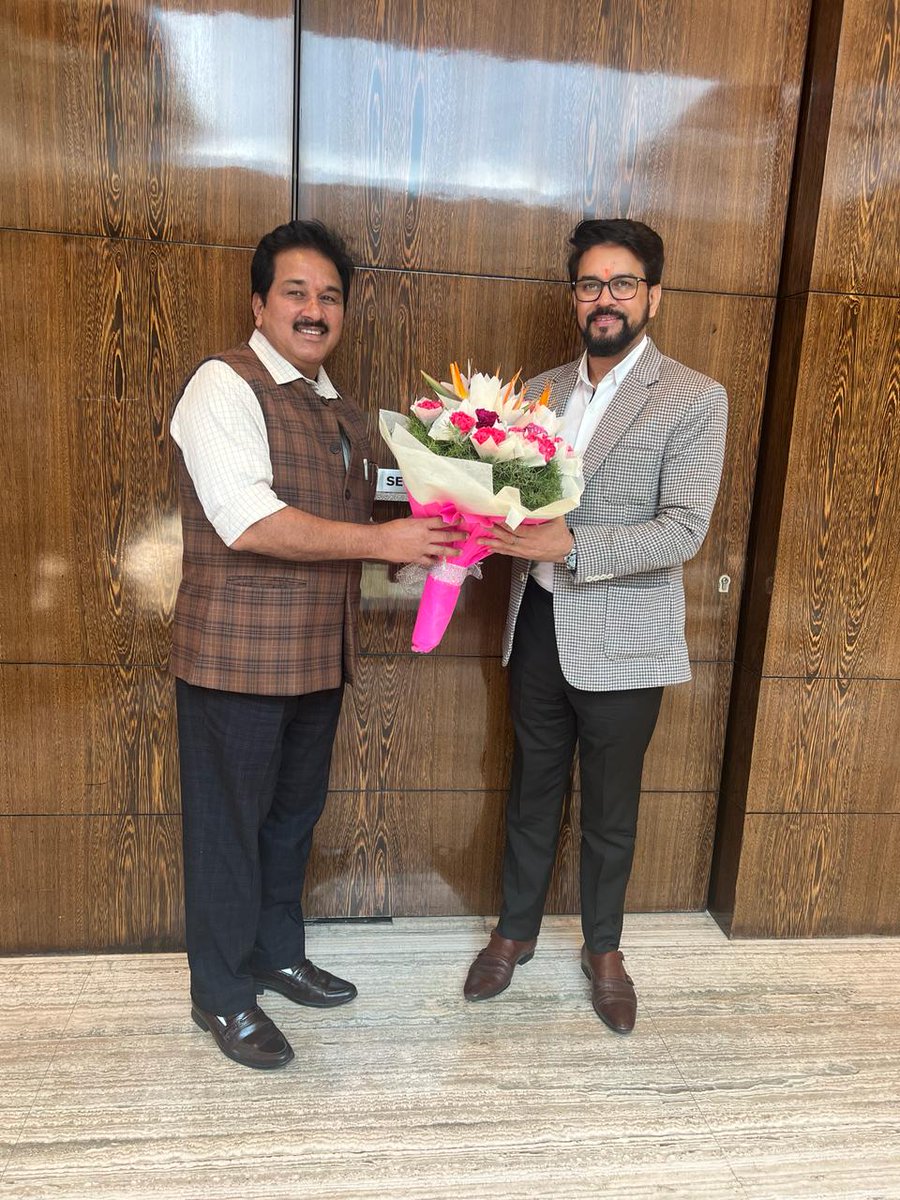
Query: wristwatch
571, 559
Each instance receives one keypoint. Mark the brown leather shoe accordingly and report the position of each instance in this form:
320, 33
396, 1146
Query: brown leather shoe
491, 972
247, 1037
306, 984
612, 990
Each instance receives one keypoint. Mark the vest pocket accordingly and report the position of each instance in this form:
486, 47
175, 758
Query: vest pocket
268, 583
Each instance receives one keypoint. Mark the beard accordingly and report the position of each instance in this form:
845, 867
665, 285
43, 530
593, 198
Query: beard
609, 343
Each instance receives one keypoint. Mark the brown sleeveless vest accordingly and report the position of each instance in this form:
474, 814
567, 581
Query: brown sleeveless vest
250, 623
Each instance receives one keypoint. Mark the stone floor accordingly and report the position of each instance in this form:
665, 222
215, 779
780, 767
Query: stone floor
757, 1069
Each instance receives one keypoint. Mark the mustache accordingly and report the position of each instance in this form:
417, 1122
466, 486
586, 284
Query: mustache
604, 312
298, 325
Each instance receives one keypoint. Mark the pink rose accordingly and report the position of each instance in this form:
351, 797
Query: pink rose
427, 410
463, 422
487, 433
533, 432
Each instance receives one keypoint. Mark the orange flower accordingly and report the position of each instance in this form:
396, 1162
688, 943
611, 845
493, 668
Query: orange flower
508, 390
457, 380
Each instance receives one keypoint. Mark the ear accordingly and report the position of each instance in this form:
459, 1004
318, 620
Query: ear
257, 304
654, 295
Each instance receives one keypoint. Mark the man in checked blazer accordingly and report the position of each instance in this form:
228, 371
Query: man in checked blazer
596, 615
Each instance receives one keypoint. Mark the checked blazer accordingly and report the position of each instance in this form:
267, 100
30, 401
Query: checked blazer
651, 472
256, 624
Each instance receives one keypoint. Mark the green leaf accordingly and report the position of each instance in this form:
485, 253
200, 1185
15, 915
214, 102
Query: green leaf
439, 388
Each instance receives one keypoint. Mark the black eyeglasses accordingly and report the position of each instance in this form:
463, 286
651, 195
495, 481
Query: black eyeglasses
621, 287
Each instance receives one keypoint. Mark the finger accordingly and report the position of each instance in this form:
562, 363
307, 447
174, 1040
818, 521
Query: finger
449, 531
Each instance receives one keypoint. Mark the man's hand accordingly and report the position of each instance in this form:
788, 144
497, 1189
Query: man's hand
422, 540
550, 541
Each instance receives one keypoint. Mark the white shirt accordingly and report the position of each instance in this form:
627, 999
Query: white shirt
586, 406
220, 429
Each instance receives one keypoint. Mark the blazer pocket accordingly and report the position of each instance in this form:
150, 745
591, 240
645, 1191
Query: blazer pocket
638, 621
630, 474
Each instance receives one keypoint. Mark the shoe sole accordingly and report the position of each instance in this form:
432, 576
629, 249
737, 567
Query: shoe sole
520, 962
614, 1028
275, 1066
262, 988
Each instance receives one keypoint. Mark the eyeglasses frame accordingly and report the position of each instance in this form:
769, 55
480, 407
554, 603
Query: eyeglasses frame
605, 283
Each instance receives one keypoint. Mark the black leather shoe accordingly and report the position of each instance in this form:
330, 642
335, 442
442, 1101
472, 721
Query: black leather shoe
306, 984
249, 1037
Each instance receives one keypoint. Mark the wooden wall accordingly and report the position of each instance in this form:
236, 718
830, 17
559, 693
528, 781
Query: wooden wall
455, 144
810, 822
137, 167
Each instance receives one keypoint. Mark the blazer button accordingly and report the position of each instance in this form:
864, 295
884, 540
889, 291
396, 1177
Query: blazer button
347, 494
335, 447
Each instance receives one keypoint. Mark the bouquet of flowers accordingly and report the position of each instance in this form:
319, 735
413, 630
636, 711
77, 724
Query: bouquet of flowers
476, 453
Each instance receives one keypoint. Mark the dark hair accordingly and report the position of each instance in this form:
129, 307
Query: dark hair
303, 235
643, 242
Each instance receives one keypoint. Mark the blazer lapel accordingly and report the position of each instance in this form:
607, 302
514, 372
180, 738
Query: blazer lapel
623, 410
563, 386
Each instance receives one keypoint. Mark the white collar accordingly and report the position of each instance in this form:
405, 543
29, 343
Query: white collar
618, 372
284, 372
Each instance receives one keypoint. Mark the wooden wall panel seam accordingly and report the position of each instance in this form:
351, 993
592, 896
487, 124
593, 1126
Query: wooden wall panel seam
824, 675
124, 239
561, 281
810, 146
849, 294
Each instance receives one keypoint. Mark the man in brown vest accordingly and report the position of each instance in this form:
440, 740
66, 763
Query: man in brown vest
276, 481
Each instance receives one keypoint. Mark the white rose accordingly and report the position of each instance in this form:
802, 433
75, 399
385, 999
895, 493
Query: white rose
484, 392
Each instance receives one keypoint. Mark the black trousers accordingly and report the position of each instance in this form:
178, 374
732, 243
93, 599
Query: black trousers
612, 730
254, 776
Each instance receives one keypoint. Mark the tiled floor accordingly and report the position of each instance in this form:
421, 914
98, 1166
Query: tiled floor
757, 1069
